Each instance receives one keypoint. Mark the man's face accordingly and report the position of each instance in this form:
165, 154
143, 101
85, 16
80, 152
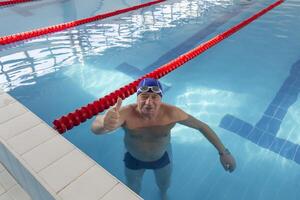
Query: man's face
148, 103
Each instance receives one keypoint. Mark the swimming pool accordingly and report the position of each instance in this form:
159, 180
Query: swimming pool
234, 87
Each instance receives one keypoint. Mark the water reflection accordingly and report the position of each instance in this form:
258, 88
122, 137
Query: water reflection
206, 101
99, 83
23, 62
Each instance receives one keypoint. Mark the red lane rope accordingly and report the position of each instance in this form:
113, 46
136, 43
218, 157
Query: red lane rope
5, 3
51, 29
86, 112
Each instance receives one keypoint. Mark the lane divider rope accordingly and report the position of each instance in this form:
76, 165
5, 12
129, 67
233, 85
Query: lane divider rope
80, 115
6, 3
59, 27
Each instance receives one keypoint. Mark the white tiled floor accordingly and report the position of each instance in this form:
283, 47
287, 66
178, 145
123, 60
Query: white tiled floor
10, 111
118, 192
6, 180
64, 171
5, 196
29, 139
9, 188
61, 173
2, 190
5, 99
87, 186
17, 193
19, 124
43, 155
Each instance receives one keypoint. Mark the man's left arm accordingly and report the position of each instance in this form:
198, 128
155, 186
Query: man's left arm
226, 158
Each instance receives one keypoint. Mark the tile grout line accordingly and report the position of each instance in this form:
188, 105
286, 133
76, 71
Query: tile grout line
7, 120
22, 132
2, 186
21, 154
8, 104
59, 158
17, 185
50, 138
38, 178
109, 191
15, 182
74, 149
3, 168
75, 179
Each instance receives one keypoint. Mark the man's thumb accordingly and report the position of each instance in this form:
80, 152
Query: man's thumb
118, 104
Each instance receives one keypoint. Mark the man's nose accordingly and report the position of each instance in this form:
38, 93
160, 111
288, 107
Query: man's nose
148, 101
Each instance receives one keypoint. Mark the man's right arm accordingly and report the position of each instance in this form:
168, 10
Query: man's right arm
98, 126
111, 120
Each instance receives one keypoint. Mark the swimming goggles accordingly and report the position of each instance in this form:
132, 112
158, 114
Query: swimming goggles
154, 89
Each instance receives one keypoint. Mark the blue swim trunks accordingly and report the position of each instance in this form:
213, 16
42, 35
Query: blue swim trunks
135, 164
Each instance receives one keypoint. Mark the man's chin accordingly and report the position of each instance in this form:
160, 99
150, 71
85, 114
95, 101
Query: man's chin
149, 112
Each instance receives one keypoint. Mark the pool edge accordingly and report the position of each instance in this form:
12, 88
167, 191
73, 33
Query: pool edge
19, 154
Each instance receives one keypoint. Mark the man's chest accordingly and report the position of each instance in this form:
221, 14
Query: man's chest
149, 130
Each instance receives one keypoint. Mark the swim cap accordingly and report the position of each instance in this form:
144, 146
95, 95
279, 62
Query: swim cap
148, 82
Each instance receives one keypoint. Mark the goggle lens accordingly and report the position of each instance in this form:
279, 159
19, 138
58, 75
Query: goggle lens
154, 89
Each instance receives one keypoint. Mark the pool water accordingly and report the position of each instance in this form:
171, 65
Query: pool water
245, 88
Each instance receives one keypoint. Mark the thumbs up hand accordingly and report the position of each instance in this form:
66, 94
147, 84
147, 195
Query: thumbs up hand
112, 117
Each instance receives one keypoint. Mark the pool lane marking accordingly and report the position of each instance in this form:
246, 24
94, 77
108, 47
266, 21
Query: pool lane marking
26, 11
55, 28
183, 47
264, 132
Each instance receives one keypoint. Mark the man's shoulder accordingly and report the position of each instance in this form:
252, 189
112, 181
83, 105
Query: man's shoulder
168, 107
128, 109
175, 113
126, 112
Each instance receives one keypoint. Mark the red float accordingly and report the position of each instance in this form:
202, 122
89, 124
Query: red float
51, 29
5, 3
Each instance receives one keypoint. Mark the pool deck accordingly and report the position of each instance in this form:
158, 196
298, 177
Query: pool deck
45, 164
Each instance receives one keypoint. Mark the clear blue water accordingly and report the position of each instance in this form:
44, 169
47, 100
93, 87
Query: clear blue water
246, 88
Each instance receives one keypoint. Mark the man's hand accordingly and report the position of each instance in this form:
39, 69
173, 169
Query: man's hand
112, 117
227, 160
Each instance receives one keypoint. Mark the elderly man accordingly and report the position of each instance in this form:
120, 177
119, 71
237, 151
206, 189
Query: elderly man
147, 126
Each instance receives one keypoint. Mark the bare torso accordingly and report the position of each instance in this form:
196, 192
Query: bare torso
147, 140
